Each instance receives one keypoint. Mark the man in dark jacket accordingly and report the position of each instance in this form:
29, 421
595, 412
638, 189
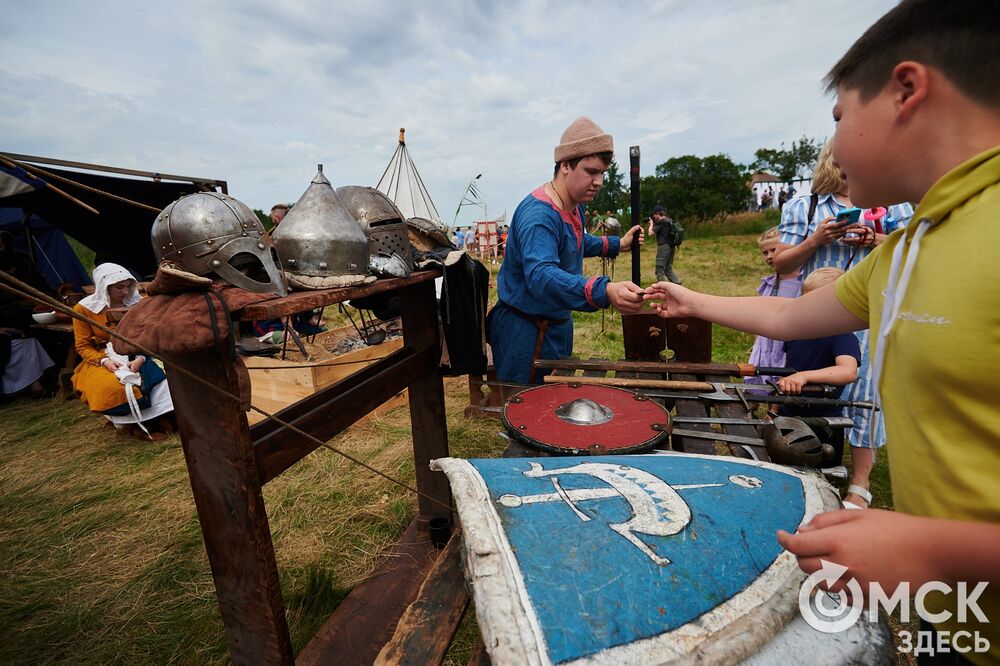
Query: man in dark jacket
667, 235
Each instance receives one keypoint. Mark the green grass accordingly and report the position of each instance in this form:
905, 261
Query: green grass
101, 554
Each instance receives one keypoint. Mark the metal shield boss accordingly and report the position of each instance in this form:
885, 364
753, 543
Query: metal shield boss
319, 237
571, 419
209, 232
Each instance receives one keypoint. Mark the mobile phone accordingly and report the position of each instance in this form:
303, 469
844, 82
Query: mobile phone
848, 216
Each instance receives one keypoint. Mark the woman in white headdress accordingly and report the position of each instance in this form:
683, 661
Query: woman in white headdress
106, 379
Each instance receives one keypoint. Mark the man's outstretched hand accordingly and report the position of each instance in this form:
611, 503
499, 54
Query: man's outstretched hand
625, 297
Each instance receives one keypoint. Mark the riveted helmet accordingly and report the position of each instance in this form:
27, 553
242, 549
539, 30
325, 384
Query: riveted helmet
210, 232
381, 221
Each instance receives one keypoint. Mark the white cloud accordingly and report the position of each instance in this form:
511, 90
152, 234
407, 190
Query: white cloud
257, 92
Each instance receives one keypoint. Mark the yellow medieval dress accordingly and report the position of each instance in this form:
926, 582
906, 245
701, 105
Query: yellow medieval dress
97, 386
100, 388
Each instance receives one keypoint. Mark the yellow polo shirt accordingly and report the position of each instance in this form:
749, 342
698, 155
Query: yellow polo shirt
941, 379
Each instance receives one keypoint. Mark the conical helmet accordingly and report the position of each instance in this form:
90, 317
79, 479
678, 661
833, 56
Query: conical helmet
319, 238
210, 232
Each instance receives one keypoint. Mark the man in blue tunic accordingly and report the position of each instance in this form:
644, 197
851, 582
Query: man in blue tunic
541, 281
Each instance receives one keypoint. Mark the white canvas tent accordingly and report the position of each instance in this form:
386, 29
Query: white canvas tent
402, 183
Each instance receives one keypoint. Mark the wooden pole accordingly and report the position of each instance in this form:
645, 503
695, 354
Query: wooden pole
62, 193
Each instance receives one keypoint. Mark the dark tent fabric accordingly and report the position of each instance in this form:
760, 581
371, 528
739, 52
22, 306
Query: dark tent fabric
121, 232
53, 255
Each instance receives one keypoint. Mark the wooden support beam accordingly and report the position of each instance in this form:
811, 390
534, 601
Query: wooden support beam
367, 618
300, 301
425, 631
335, 408
427, 414
227, 494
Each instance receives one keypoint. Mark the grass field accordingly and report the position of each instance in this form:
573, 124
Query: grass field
101, 554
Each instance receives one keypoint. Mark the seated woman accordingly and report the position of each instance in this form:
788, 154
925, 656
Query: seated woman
23, 361
97, 377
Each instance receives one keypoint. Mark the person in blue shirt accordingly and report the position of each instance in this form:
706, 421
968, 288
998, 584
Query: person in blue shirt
541, 281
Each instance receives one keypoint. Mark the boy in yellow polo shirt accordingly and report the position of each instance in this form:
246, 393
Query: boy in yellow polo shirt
918, 119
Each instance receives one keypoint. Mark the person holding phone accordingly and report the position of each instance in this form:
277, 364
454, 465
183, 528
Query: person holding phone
823, 230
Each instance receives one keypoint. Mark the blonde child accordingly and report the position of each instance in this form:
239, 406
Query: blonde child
767, 352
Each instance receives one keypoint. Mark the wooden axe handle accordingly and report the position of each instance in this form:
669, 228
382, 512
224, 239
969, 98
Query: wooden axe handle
631, 383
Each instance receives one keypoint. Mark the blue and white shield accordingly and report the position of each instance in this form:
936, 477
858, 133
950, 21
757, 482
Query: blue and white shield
630, 559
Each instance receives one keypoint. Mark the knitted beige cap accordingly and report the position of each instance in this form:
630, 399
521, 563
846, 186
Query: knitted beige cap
582, 138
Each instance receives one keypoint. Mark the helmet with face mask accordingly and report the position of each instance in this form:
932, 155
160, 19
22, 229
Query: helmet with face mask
212, 233
384, 225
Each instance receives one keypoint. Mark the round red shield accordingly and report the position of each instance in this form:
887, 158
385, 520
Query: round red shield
570, 419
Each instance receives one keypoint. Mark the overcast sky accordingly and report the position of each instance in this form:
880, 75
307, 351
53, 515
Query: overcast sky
258, 92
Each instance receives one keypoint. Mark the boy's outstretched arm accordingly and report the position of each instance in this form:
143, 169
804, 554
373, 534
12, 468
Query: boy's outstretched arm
889, 547
815, 315
842, 373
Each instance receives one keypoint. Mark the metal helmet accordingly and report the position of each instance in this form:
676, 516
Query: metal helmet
210, 232
381, 220
426, 235
319, 237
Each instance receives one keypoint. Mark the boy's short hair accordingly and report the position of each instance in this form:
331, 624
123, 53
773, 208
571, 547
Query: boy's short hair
769, 237
280, 206
958, 37
820, 277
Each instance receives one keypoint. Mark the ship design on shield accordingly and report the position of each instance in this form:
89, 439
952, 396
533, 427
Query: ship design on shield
657, 507
639, 559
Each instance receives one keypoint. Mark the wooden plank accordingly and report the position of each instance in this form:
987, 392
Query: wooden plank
108, 169
479, 656
644, 336
227, 493
337, 407
300, 301
425, 631
428, 422
366, 619
724, 369
692, 407
690, 339
324, 375
737, 410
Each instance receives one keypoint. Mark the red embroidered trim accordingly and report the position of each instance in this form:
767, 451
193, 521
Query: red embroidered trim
588, 291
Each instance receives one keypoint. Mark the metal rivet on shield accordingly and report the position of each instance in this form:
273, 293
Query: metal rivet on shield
523, 427
516, 399
260, 245
574, 384
640, 397
216, 263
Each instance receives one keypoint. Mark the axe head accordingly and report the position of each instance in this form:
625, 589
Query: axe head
789, 441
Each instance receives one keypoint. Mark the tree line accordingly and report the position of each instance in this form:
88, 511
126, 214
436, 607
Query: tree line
693, 188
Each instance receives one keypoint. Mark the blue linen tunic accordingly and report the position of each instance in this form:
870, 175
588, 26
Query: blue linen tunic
542, 276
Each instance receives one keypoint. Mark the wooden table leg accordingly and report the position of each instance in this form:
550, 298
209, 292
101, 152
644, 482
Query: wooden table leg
227, 493
426, 394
